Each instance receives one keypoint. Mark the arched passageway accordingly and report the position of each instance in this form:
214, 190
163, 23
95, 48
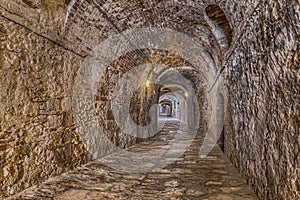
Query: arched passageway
137, 97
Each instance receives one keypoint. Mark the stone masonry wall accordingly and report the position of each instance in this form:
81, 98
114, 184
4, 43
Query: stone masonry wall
37, 132
262, 126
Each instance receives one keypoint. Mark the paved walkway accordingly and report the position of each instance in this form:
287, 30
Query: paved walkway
189, 177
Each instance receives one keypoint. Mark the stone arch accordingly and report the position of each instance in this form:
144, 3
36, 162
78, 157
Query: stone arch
218, 22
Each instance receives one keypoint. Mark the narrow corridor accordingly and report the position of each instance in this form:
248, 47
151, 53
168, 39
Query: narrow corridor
190, 177
85, 85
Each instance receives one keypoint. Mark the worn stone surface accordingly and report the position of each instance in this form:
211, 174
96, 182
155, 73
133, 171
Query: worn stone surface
262, 131
40, 60
37, 134
190, 177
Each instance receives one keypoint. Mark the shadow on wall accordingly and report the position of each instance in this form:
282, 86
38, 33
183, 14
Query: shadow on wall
220, 119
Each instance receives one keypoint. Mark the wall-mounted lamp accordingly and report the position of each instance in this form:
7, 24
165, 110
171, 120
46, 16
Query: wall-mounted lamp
147, 83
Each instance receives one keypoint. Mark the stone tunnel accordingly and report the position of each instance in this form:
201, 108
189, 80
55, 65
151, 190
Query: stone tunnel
157, 99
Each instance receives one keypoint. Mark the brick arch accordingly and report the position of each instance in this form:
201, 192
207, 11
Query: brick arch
217, 20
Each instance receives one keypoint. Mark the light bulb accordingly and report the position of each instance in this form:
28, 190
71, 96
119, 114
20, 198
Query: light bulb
147, 83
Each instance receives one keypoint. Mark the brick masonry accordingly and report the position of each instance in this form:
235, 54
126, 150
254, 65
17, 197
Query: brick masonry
44, 42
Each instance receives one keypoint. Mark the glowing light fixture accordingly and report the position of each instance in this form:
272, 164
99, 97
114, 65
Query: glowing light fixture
147, 83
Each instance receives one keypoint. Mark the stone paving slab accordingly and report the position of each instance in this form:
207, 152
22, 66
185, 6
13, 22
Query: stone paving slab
189, 177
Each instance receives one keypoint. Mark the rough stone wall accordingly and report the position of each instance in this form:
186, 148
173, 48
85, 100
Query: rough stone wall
44, 17
103, 102
36, 82
262, 126
37, 132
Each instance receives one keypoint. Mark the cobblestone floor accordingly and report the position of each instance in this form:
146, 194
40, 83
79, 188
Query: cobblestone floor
189, 177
